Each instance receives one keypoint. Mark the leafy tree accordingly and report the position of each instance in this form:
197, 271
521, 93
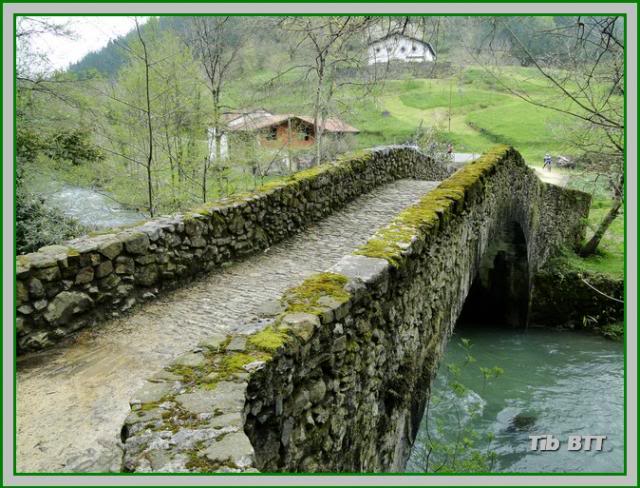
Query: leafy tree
152, 118
216, 45
325, 46
585, 72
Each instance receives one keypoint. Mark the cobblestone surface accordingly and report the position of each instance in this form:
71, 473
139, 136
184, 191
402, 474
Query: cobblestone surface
72, 400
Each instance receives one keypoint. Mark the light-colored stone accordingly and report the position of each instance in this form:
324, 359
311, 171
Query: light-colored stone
234, 449
151, 393
237, 344
51, 273
369, 270
192, 359
214, 342
110, 248
200, 401
301, 324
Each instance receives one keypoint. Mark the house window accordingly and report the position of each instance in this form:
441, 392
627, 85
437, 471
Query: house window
308, 132
272, 135
413, 48
402, 49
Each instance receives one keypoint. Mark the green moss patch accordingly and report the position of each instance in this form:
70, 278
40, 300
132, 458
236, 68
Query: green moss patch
304, 298
434, 209
200, 463
268, 339
233, 363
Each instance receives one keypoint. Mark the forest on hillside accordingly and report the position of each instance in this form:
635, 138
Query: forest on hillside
142, 120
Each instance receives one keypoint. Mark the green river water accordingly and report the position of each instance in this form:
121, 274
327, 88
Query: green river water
554, 382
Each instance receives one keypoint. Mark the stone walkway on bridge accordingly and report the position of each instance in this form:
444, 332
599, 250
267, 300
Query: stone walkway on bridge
72, 400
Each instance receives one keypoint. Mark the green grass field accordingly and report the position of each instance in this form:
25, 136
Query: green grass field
609, 259
473, 111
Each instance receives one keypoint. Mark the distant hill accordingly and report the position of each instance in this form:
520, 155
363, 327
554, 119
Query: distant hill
110, 58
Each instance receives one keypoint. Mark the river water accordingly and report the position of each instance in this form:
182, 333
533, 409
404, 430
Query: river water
91, 208
554, 382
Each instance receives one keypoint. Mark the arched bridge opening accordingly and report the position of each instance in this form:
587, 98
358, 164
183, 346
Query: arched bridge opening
500, 291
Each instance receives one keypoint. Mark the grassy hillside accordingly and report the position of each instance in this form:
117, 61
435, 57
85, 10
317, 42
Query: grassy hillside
481, 116
471, 110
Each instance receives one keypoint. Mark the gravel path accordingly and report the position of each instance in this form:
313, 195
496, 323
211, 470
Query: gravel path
72, 400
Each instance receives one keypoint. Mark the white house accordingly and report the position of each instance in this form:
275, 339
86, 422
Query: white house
402, 48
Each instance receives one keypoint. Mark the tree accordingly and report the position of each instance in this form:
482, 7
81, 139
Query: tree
216, 45
585, 73
151, 120
328, 45
38, 224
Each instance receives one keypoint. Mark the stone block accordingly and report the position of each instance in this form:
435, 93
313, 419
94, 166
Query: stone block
146, 275
302, 325
192, 359
125, 265
65, 305
110, 248
368, 270
85, 275
234, 449
151, 393
136, 243
103, 269
214, 342
51, 273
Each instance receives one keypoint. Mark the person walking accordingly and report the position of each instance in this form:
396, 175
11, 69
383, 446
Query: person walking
450, 151
547, 162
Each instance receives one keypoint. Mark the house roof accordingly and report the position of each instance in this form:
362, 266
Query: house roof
263, 119
230, 117
397, 34
332, 124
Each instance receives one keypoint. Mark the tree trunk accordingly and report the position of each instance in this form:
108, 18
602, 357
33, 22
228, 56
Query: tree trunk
590, 247
149, 125
204, 180
318, 108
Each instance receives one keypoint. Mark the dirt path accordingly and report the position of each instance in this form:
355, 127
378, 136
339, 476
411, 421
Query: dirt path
552, 177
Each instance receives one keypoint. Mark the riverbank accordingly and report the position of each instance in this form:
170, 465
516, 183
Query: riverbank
570, 297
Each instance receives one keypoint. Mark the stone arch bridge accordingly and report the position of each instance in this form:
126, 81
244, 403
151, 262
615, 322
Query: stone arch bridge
309, 340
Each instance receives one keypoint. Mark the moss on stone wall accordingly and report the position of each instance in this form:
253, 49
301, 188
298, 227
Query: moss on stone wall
306, 297
268, 339
435, 208
168, 251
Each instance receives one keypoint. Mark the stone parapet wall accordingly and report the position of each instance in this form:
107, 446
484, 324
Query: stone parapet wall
61, 289
337, 380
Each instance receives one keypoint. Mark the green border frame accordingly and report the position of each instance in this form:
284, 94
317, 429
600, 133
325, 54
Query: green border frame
271, 14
